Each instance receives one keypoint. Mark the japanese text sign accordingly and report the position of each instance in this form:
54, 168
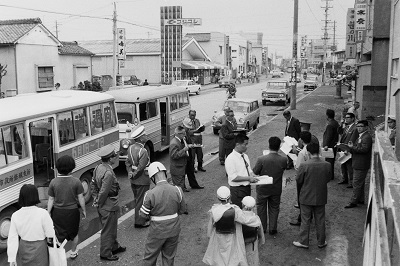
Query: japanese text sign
121, 44
183, 22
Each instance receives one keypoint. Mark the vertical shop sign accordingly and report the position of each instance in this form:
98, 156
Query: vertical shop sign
121, 44
350, 34
360, 21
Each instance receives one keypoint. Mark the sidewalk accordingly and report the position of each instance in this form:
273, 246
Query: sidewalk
344, 227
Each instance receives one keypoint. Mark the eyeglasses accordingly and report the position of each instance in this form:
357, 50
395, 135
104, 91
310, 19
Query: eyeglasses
348, 117
360, 126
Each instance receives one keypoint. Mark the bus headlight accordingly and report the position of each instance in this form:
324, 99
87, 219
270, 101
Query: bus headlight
125, 143
281, 95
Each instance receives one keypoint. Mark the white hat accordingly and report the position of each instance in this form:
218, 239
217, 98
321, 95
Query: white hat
187, 122
138, 132
223, 193
249, 202
155, 167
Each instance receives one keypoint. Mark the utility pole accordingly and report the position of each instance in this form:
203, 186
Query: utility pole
334, 45
294, 55
325, 38
56, 29
114, 77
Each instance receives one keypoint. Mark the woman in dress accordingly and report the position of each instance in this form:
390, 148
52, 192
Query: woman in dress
30, 229
65, 193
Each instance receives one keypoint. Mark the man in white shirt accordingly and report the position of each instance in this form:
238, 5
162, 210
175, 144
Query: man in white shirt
238, 169
354, 108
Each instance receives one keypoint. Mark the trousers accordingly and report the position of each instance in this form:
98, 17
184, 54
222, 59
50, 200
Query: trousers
190, 174
199, 153
347, 172
138, 192
358, 185
268, 210
238, 193
167, 247
221, 153
108, 237
178, 180
319, 214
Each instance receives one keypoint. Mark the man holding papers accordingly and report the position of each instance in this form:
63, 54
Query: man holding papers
331, 137
195, 129
269, 196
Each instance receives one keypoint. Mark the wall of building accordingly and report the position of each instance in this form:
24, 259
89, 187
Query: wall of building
379, 70
216, 47
67, 76
143, 66
238, 58
8, 83
364, 78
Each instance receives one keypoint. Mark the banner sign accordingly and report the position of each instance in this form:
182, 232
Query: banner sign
350, 34
183, 22
121, 44
360, 20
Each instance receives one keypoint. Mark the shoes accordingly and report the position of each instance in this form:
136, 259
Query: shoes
295, 223
185, 190
186, 212
195, 170
272, 232
349, 186
198, 187
110, 258
343, 182
299, 245
222, 163
350, 205
119, 250
297, 206
201, 169
73, 254
323, 245
141, 226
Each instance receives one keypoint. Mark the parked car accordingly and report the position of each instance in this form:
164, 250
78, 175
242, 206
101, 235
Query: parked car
276, 91
276, 74
311, 83
190, 85
131, 80
298, 79
247, 113
225, 82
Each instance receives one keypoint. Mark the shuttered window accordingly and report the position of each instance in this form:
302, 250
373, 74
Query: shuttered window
45, 77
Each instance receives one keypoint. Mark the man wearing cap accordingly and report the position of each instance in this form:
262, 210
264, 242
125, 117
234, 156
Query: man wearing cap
162, 205
269, 196
221, 120
194, 130
392, 128
238, 169
105, 188
138, 159
361, 152
179, 154
226, 245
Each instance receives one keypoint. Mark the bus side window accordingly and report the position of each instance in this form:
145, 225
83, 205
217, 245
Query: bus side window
152, 109
96, 120
65, 127
80, 123
12, 144
2, 151
173, 102
142, 111
108, 115
184, 100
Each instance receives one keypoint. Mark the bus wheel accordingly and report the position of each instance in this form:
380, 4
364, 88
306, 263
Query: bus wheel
86, 179
5, 222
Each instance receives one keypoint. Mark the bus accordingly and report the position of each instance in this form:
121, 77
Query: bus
160, 109
37, 129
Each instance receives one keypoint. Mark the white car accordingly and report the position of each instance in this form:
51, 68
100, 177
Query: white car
190, 85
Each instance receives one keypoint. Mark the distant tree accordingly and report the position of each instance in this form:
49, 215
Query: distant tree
3, 72
81, 86
88, 85
96, 86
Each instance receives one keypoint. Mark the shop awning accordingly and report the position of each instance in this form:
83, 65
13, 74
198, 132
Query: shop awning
200, 65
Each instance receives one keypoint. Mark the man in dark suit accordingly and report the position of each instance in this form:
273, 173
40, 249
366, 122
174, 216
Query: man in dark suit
312, 179
269, 196
349, 133
293, 130
361, 152
331, 137
227, 132
221, 120
178, 153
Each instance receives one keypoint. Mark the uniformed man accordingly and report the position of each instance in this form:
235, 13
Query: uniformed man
105, 189
138, 159
162, 205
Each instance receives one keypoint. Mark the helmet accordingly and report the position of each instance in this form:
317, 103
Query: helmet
155, 167
223, 193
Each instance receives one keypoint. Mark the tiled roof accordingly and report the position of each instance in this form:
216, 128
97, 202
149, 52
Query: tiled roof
200, 37
12, 30
137, 46
72, 48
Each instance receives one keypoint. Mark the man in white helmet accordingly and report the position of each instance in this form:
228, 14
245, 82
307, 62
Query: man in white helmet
226, 245
162, 205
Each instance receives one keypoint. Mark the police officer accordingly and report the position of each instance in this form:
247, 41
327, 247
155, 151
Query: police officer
105, 189
138, 159
162, 205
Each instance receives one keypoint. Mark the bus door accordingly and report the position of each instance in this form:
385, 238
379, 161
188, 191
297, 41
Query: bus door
164, 121
42, 144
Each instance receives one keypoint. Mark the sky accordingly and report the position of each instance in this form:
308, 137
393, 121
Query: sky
78, 20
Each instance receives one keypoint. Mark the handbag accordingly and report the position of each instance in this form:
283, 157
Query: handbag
57, 256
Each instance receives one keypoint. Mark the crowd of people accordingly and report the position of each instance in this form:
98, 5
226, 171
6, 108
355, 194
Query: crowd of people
237, 224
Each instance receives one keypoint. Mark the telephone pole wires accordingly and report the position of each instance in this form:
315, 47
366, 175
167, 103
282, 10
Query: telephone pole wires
293, 99
325, 38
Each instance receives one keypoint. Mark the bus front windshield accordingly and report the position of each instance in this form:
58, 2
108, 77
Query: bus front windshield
126, 112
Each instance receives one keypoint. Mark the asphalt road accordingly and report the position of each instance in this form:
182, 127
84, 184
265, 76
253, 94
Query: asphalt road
210, 99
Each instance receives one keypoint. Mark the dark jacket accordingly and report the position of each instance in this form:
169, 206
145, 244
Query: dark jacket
272, 165
350, 135
136, 162
294, 129
312, 179
107, 188
331, 135
362, 152
178, 157
227, 131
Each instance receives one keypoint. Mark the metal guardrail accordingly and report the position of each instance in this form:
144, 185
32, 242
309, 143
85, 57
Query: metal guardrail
382, 225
